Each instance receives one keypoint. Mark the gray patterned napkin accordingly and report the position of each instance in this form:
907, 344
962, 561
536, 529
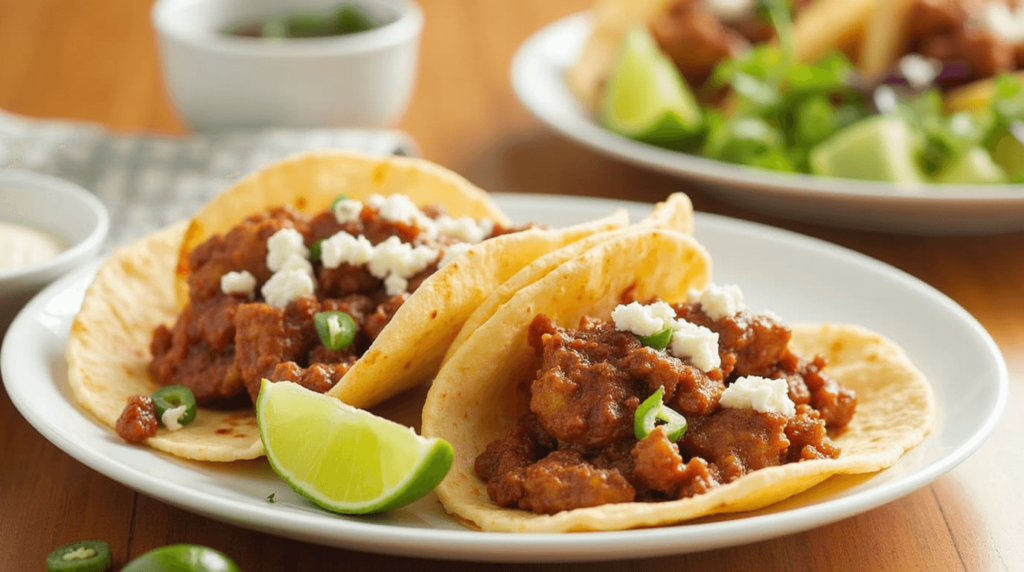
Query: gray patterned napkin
148, 182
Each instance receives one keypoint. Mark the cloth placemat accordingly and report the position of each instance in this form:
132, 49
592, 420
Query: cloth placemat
148, 182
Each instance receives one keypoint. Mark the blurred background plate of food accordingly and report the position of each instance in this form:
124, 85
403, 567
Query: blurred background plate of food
850, 115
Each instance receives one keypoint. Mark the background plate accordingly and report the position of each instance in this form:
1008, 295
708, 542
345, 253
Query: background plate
820, 282
538, 70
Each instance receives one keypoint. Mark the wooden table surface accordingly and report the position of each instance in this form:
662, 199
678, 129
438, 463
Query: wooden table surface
96, 61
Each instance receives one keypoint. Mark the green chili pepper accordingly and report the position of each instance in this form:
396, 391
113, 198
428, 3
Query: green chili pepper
653, 410
337, 330
315, 250
658, 340
83, 556
174, 396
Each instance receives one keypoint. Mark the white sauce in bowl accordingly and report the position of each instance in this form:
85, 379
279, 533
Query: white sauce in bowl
22, 245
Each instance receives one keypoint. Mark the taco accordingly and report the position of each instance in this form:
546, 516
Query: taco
404, 249
697, 35
553, 404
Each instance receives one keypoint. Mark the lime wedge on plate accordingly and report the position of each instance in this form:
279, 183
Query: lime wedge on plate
973, 167
644, 97
879, 148
345, 459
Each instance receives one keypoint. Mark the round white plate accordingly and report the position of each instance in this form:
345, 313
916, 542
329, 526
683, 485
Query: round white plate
800, 278
538, 72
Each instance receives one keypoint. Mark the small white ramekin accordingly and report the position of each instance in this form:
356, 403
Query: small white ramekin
216, 80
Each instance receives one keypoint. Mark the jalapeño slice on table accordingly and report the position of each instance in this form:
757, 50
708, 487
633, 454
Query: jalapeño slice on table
179, 401
82, 556
337, 330
653, 410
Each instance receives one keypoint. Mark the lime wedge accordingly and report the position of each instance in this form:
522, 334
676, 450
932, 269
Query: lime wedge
973, 167
645, 98
345, 459
879, 148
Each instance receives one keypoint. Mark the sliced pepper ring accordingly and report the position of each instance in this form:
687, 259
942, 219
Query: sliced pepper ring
337, 330
651, 411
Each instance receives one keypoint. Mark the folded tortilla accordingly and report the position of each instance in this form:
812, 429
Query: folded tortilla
474, 398
140, 287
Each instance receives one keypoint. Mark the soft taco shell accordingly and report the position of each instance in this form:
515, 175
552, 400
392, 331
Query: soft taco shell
473, 399
135, 291
675, 213
108, 350
311, 181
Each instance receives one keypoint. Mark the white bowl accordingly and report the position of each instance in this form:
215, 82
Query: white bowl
56, 207
216, 80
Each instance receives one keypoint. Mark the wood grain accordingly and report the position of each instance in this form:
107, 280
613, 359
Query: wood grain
97, 61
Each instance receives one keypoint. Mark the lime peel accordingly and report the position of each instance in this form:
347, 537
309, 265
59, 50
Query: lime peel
362, 463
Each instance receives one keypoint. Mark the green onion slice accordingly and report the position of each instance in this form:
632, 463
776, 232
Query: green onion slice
173, 396
83, 556
658, 340
337, 330
653, 410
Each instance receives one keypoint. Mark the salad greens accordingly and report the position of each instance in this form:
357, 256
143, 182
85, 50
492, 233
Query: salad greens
774, 112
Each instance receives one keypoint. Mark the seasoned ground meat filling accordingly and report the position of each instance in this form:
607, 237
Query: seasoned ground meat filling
223, 344
957, 31
576, 447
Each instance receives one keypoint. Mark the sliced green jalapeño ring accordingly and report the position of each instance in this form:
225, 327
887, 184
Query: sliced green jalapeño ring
658, 340
337, 330
82, 556
653, 410
172, 397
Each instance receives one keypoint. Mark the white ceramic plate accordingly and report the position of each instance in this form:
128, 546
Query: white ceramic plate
537, 78
800, 278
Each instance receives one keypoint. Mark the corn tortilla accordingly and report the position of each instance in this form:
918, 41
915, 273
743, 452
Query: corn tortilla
138, 288
473, 400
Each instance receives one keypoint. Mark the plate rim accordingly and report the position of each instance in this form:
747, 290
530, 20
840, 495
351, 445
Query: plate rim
474, 545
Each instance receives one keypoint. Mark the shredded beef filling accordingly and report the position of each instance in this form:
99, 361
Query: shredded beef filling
576, 447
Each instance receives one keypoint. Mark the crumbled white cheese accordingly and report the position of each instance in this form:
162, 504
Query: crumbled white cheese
730, 10
172, 416
719, 301
759, 393
885, 99
453, 251
395, 208
287, 286
400, 258
347, 210
395, 285
238, 283
919, 71
282, 245
695, 343
464, 228
296, 262
345, 248
1005, 22
643, 320
80, 553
